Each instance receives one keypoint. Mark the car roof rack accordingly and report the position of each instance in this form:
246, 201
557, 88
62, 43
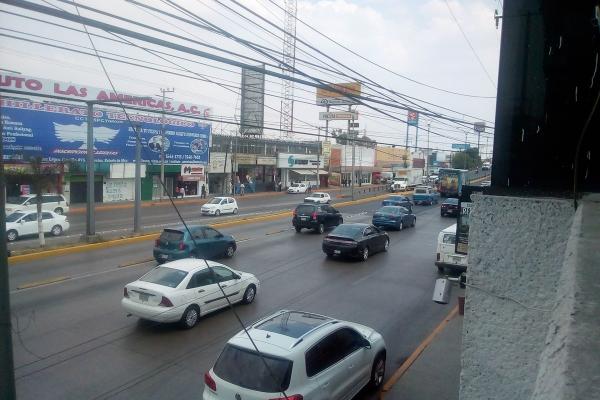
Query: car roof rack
301, 338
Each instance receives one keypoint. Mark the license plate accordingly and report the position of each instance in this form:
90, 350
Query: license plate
144, 297
163, 256
337, 252
304, 218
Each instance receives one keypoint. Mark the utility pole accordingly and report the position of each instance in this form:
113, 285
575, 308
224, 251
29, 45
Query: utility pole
427, 157
137, 215
353, 153
326, 138
90, 205
465, 150
162, 142
318, 157
406, 146
7, 371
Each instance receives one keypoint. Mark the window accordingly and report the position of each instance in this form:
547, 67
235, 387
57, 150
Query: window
404, 210
222, 274
164, 276
332, 349
14, 217
30, 217
230, 200
47, 215
202, 278
197, 234
368, 231
448, 238
170, 235
50, 199
210, 233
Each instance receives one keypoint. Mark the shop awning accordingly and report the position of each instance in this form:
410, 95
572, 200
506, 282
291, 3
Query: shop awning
308, 172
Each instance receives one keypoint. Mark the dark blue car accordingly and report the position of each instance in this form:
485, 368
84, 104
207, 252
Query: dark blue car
397, 200
394, 217
199, 242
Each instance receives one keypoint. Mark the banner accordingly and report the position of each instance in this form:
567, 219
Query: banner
58, 132
413, 118
329, 97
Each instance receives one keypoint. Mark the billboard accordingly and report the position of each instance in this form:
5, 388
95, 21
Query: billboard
329, 97
253, 102
412, 118
75, 91
58, 132
460, 146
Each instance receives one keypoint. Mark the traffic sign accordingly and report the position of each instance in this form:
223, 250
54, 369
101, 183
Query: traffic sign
343, 115
479, 126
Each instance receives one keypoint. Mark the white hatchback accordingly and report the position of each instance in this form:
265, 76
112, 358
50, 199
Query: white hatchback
318, 197
298, 188
302, 356
220, 205
23, 223
183, 290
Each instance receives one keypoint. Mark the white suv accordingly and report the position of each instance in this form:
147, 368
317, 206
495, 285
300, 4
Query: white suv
304, 356
50, 202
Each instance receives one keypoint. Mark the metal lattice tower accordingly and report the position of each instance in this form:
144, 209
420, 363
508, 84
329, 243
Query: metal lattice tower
287, 68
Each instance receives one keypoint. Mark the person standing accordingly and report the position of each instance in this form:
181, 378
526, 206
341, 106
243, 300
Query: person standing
182, 191
203, 191
242, 189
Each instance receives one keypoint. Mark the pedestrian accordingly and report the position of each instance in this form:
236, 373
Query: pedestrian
279, 186
177, 192
182, 191
203, 193
242, 189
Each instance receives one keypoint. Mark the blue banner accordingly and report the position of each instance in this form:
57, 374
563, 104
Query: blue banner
460, 146
58, 132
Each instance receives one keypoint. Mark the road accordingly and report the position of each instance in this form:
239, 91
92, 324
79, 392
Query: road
72, 340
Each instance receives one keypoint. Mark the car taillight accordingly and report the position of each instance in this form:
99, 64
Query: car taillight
210, 382
157, 243
125, 292
438, 256
314, 215
165, 302
182, 246
290, 397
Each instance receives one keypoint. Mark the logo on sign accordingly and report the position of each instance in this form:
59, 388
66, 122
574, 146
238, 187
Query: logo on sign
155, 143
199, 146
413, 118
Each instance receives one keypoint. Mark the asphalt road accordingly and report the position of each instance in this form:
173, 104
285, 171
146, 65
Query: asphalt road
72, 340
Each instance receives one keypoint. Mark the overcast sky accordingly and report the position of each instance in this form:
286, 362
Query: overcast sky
416, 39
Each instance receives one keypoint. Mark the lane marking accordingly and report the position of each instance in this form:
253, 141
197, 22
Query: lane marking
43, 283
415, 354
134, 263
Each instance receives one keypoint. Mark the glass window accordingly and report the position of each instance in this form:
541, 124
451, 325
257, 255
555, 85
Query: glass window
449, 238
198, 234
30, 217
389, 210
368, 231
404, 210
245, 368
332, 349
164, 276
216, 200
222, 274
305, 209
171, 235
211, 233
347, 230
14, 217
47, 215
202, 278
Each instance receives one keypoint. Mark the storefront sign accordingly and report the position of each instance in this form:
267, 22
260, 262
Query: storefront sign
245, 159
193, 171
299, 161
266, 161
58, 132
118, 190
217, 163
25, 190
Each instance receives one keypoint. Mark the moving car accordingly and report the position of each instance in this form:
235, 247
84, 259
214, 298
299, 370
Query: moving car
23, 223
486, 166
399, 184
298, 188
318, 197
425, 195
450, 207
446, 257
397, 200
184, 290
50, 202
394, 217
315, 216
305, 355
200, 242
220, 205
355, 240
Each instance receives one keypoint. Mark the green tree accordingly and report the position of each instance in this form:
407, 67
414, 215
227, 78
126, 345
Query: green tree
468, 159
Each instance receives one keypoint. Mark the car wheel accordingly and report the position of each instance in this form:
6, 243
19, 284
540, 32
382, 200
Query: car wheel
386, 246
12, 235
249, 294
377, 372
56, 230
298, 229
229, 251
235, 210
58, 210
365, 254
400, 226
189, 319
320, 229
217, 213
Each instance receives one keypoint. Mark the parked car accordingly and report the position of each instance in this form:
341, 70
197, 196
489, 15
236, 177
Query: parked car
220, 205
200, 242
50, 202
24, 223
394, 217
299, 188
184, 290
485, 184
318, 197
355, 240
397, 200
425, 195
315, 216
305, 355
446, 257
450, 207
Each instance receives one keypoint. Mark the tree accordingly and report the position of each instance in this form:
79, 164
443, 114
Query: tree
468, 159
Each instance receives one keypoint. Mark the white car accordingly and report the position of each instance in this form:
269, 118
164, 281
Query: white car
50, 202
318, 197
298, 188
446, 256
23, 223
309, 356
183, 290
220, 205
398, 185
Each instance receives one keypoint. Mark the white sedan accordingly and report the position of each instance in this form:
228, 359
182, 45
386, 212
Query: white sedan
23, 223
183, 290
318, 197
220, 205
298, 188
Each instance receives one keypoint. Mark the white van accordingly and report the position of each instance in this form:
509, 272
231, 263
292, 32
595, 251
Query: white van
50, 202
446, 256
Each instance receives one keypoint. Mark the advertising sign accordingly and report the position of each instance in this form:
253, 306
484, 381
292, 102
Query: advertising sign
193, 170
328, 97
58, 132
479, 126
460, 146
462, 228
298, 161
84, 92
253, 102
412, 118
344, 115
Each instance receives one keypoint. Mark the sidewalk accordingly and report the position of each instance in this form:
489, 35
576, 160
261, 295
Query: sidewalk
435, 375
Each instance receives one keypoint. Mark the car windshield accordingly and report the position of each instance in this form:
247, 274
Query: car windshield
16, 200
348, 230
14, 217
389, 210
245, 368
396, 198
216, 200
164, 276
451, 201
295, 185
171, 235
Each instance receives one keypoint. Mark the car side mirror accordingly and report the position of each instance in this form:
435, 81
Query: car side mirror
236, 276
366, 344
22, 221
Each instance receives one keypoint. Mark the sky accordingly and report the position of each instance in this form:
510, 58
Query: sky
418, 40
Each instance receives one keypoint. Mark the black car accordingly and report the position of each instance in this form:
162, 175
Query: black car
316, 217
450, 207
397, 200
355, 240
